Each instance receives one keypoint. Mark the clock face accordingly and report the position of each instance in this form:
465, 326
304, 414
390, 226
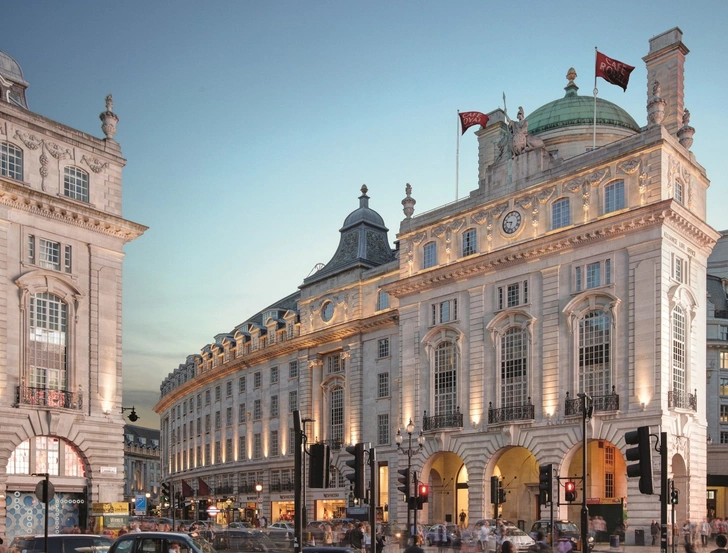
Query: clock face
511, 222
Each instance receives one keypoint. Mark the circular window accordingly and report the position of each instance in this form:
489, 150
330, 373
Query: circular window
327, 311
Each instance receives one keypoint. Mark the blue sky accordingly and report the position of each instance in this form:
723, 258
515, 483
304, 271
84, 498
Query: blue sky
249, 127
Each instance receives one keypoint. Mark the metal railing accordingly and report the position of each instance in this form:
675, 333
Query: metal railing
608, 402
47, 397
449, 420
682, 400
522, 412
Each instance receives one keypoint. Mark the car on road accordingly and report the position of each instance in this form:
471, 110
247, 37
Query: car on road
280, 529
245, 540
451, 533
520, 540
565, 527
240, 524
159, 542
62, 543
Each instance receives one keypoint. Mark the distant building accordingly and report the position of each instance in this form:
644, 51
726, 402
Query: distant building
717, 383
61, 236
142, 464
578, 265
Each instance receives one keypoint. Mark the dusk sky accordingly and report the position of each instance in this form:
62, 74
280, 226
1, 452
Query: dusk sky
250, 127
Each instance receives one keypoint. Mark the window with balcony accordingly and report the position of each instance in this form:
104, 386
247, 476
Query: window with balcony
595, 366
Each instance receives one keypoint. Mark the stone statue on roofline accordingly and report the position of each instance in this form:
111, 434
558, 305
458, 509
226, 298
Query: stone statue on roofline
521, 141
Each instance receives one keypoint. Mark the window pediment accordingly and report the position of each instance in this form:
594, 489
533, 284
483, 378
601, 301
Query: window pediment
591, 300
41, 280
443, 333
680, 294
510, 318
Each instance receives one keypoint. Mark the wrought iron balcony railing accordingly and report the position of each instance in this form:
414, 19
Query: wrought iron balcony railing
575, 406
450, 420
682, 400
46, 397
521, 412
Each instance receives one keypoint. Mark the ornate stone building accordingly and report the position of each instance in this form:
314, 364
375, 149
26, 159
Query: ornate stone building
142, 463
62, 237
577, 266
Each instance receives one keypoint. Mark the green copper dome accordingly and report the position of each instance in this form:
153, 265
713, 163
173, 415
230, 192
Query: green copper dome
573, 110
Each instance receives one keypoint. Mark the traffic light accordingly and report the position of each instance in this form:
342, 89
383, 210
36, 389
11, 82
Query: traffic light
674, 493
545, 483
318, 467
423, 493
494, 485
404, 484
357, 463
642, 453
570, 491
164, 496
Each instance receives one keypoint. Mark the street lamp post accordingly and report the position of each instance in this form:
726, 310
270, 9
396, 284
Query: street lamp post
258, 489
410, 451
587, 410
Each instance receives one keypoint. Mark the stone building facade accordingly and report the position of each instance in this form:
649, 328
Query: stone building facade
577, 266
61, 236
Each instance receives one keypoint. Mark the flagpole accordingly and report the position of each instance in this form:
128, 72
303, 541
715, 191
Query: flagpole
594, 137
457, 155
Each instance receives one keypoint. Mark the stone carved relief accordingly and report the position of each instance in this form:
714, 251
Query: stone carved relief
524, 201
499, 210
438, 231
418, 238
457, 224
32, 142
630, 166
96, 165
544, 195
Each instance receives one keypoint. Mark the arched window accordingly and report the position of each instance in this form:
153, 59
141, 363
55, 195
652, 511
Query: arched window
446, 369
429, 257
470, 245
514, 367
679, 384
75, 184
614, 196
11, 161
560, 213
336, 419
48, 342
595, 360
46, 454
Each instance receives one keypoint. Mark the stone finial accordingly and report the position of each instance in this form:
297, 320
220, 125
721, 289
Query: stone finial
409, 202
571, 75
109, 118
656, 106
686, 132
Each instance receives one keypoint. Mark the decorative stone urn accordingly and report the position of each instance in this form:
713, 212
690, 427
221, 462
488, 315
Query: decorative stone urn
109, 118
656, 106
409, 202
686, 132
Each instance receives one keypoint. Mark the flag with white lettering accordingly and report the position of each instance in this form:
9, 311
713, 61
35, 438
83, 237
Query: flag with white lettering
470, 118
613, 71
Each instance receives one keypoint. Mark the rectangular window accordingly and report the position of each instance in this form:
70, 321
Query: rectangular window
199, 426
257, 411
334, 364
207, 424
469, 242
444, 312
49, 254
229, 388
257, 446
724, 359
592, 275
241, 385
218, 420
208, 460
723, 388
293, 369
199, 401
723, 333
614, 198
11, 161
274, 375
218, 452
724, 437
217, 393
678, 269
257, 380
207, 397
242, 450
229, 450
382, 300
291, 441
31, 249
67, 259
229, 416
75, 184
560, 213
513, 294
383, 348
383, 385
383, 429
242, 413
273, 450
724, 413
429, 255
274, 406
292, 401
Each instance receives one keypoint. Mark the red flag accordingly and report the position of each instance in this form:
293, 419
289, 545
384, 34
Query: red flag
187, 490
202, 486
613, 71
470, 118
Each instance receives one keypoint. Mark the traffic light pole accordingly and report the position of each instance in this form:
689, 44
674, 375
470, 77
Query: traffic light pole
416, 505
663, 492
586, 409
373, 497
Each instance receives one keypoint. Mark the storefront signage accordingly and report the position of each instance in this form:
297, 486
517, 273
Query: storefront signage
116, 508
327, 495
604, 501
107, 470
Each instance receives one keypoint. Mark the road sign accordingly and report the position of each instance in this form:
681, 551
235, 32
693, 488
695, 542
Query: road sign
43, 493
213, 511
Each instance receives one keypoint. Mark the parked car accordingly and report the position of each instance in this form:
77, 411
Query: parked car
451, 532
565, 527
62, 543
159, 542
520, 540
240, 524
280, 529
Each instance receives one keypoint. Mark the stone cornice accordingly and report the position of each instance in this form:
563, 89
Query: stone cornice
260, 357
654, 214
57, 208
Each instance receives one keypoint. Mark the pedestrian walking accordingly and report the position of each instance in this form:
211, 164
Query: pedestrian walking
654, 531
